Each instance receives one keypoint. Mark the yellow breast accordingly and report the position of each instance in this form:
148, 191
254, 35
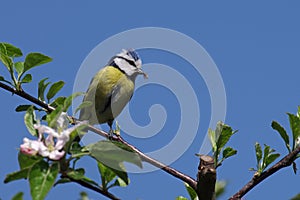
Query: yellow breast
109, 92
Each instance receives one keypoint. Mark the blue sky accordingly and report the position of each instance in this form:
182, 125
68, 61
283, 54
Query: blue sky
254, 45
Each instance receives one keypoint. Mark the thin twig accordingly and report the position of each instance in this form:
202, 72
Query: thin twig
160, 165
148, 159
284, 162
94, 188
27, 96
143, 156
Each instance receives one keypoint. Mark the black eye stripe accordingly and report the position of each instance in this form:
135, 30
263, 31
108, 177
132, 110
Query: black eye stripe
129, 61
116, 66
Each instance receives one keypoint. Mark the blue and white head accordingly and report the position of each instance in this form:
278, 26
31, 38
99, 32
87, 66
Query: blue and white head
129, 62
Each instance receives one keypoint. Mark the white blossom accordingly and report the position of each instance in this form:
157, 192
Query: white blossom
52, 146
30, 147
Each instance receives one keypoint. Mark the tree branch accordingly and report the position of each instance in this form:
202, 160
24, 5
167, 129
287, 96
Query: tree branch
192, 182
284, 162
148, 159
160, 165
92, 187
27, 96
206, 178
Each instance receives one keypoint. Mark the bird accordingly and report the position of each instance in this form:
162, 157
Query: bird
112, 88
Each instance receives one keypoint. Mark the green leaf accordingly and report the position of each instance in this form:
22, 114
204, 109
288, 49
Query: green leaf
69, 99
218, 130
59, 101
120, 182
84, 196
30, 120
75, 148
191, 191
181, 198
228, 151
42, 178
27, 78
19, 66
53, 116
62, 104
107, 175
297, 197
226, 133
35, 59
122, 174
220, 188
10, 50
22, 108
22, 174
26, 161
83, 105
268, 158
295, 126
212, 138
7, 61
41, 89
78, 174
3, 80
276, 126
112, 154
271, 158
258, 152
219, 139
81, 154
62, 181
54, 89
267, 151
18, 196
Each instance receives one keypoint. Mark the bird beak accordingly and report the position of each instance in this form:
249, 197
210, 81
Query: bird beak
140, 71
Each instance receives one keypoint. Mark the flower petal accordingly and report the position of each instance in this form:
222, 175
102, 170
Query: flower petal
43, 150
56, 155
46, 129
70, 130
62, 121
61, 141
30, 147
49, 141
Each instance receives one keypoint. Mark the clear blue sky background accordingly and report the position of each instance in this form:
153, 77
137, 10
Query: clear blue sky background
255, 46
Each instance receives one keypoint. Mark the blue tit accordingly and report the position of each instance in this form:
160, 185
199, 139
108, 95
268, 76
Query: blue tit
112, 88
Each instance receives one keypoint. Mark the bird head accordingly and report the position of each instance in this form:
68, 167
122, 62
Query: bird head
129, 62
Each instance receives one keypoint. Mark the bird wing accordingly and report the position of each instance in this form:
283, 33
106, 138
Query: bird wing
109, 92
89, 113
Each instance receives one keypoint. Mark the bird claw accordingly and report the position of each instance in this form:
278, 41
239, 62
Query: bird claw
110, 134
113, 133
